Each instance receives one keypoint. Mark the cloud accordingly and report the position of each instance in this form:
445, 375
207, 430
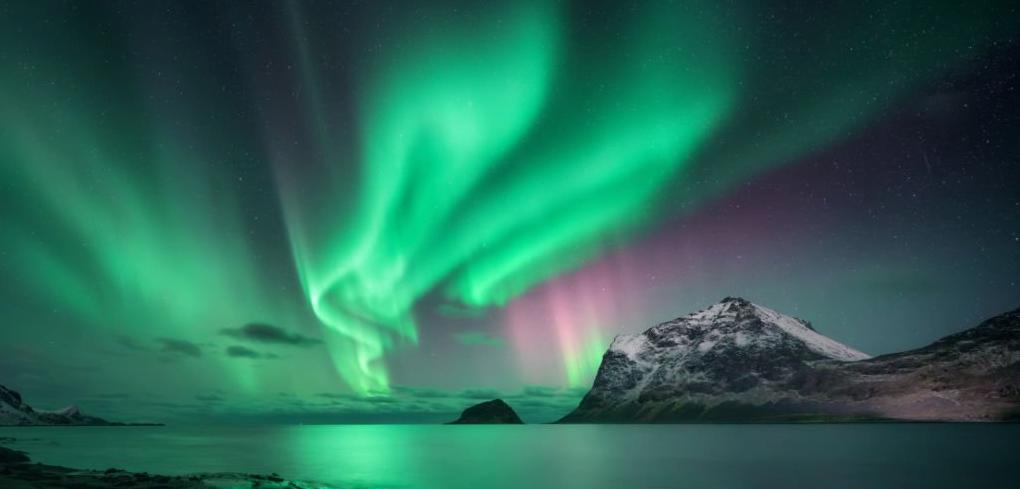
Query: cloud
544, 391
540, 391
421, 392
130, 343
238, 351
479, 394
477, 338
557, 403
338, 395
403, 404
381, 400
266, 333
180, 347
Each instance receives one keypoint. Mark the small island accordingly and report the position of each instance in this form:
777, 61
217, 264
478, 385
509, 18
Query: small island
495, 411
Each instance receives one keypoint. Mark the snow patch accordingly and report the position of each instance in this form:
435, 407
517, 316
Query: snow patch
816, 342
630, 345
706, 345
741, 340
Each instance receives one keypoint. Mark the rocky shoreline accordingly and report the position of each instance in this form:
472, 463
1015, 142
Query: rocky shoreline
17, 471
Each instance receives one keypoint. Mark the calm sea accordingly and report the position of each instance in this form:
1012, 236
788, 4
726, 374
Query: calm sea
858, 456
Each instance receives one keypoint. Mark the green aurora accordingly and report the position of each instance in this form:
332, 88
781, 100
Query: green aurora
449, 142
484, 153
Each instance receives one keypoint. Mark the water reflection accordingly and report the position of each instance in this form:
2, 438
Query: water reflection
926, 456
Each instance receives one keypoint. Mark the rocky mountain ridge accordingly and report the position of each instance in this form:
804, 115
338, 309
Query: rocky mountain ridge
14, 411
740, 362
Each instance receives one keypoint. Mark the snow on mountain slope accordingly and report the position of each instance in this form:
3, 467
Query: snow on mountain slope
738, 361
696, 353
15, 412
732, 322
823, 345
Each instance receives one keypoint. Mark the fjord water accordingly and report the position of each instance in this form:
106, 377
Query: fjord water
555, 456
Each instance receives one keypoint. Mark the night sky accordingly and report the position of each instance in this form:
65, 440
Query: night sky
316, 211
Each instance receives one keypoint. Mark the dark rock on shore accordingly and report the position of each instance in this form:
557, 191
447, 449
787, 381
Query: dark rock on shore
8, 456
16, 472
489, 412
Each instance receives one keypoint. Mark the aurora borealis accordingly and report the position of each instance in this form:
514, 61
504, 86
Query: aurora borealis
445, 149
385, 207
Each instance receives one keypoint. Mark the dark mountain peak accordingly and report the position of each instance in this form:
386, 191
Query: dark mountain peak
742, 307
1002, 329
739, 327
738, 301
10, 397
495, 411
738, 306
1006, 320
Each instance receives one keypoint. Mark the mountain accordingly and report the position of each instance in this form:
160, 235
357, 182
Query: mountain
489, 412
740, 362
15, 412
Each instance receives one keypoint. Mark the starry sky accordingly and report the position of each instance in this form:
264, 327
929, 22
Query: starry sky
384, 212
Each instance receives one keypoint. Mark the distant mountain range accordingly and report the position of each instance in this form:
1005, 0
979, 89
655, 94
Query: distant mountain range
740, 362
16, 412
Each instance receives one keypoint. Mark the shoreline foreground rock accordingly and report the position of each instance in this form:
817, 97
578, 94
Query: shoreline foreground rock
495, 411
18, 472
738, 362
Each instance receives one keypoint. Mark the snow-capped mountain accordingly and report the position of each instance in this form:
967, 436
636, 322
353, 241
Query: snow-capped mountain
738, 361
14, 411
